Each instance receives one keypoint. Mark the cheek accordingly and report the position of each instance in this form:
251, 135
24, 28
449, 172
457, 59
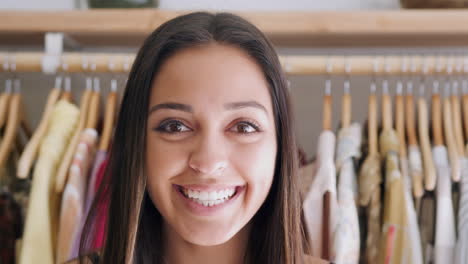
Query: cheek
256, 164
163, 161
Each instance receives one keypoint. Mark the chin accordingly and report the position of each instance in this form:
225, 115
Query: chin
208, 236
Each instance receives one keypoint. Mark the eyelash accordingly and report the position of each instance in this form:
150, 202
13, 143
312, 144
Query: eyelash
162, 128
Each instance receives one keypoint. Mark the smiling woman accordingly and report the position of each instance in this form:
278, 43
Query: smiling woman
204, 163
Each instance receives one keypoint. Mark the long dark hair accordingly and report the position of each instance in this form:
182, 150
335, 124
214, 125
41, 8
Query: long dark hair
134, 226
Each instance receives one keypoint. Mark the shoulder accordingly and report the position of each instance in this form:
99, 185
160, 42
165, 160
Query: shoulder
313, 260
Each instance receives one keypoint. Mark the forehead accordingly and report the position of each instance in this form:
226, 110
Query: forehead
210, 74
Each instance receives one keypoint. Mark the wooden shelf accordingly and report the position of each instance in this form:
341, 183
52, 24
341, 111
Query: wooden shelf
298, 29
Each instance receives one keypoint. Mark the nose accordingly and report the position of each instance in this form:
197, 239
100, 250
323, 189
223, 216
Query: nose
208, 156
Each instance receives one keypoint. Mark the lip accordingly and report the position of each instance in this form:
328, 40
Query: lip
208, 187
200, 210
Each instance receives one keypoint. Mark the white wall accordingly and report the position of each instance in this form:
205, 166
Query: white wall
279, 4
217, 4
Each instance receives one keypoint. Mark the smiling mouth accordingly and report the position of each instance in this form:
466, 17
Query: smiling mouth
208, 198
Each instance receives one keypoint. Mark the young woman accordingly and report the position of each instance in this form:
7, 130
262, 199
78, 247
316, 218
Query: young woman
203, 167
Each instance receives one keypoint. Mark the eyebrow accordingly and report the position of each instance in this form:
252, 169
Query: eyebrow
175, 106
238, 105
189, 109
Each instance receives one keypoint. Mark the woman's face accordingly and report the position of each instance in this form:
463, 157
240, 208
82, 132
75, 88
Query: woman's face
211, 144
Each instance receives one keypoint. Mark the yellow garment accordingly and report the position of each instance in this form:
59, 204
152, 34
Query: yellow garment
370, 178
41, 220
395, 240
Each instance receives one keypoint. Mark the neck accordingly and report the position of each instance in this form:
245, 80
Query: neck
178, 250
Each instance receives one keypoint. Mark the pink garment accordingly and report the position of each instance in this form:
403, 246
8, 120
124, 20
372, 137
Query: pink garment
100, 158
72, 210
90, 194
101, 217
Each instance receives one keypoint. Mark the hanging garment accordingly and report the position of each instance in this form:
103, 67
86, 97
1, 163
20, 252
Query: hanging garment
461, 252
98, 161
427, 213
445, 220
13, 203
324, 181
347, 236
370, 179
413, 229
394, 243
415, 167
90, 194
73, 199
39, 234
11, 226
102, 209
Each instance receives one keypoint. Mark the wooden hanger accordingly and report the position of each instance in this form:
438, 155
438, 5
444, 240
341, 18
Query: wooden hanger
457, 123
32, 148
346, 99
465, 114
109, 118
62, 171
450, 139
400, 120
387, 119
418, 189
410, 122
12, 124
346, 110
437, 120
93, 112
430, 176
465, 110
4, 100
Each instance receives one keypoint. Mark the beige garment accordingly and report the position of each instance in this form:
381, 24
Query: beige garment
347, 237
370, 178
324, 181
394, 243
39, 232
461, 249
445, 237
416, 172
414, 236
72, 209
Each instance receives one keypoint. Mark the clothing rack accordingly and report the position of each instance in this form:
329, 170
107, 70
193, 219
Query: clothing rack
74, 62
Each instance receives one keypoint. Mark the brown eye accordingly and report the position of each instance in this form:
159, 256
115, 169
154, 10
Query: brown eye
172, 127
246, 128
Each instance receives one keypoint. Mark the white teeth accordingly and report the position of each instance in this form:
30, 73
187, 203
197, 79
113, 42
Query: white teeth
213, 196
209, 198
204, 196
